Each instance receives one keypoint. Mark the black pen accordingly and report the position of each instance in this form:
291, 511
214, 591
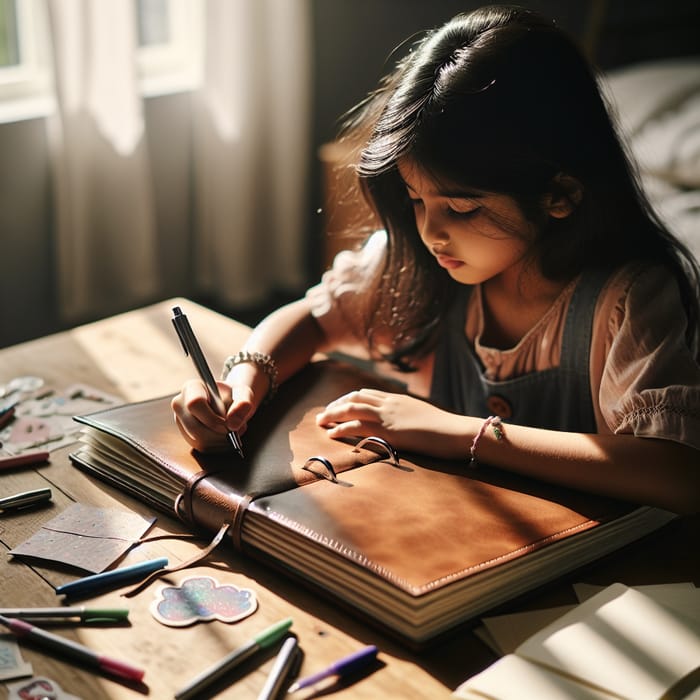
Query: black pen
192, 348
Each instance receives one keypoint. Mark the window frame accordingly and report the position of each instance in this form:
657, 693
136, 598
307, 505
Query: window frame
30, 77
177, 66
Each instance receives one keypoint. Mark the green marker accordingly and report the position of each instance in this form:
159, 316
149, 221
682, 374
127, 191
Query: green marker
67, 613
263, 640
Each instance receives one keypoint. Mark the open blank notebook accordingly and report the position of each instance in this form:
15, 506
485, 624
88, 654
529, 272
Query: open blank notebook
621, 643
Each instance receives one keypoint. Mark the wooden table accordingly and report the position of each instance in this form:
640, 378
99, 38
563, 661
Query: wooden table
137, 356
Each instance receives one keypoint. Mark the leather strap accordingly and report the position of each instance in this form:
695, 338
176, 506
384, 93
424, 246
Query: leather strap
202, 554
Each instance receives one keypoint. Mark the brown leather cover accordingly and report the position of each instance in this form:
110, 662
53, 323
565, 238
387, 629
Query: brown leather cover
417, 546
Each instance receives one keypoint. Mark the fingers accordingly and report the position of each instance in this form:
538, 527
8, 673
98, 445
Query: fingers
357, 429
369, 397
357, 414
360, 405
241, 409
197, 421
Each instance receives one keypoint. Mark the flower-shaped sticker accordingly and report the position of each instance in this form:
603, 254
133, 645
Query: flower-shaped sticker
202, 599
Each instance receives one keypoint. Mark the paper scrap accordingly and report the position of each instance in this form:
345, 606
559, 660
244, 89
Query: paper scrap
12, 665
46, 421
85, 537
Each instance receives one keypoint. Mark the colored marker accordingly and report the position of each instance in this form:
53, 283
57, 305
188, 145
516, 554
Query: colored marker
24, 499
6, 415
72, 649
262, 641
340, 669
110, 579
284, 664
66, 614
24, 459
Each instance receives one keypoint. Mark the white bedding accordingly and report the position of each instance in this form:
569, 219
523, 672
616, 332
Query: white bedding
658, 106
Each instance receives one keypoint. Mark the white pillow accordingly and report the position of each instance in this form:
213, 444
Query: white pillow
658, 106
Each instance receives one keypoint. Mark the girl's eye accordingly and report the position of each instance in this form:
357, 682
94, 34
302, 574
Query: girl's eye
415, 202
462, 208
462, 214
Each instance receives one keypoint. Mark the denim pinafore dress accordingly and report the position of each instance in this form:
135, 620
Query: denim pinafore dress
558, 398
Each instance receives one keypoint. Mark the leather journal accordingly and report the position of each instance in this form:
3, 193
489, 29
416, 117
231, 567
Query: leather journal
418, 546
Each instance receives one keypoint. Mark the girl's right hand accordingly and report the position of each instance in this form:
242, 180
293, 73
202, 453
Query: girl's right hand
201, 426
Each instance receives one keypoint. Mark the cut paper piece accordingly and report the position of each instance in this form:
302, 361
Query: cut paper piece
85, 537
12, 665
38, 687
46, 421
200, 599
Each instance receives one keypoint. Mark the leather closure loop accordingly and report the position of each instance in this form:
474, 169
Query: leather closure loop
232, 511
184, 500
373, 439
237, 522
330, 469
331, 473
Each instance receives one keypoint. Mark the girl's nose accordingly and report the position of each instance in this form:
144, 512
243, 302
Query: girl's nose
432, 229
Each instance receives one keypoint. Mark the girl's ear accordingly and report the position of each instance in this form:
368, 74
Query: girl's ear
564, 195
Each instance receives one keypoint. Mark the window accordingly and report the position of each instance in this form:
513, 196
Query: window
168, 35
9, 51
169, 38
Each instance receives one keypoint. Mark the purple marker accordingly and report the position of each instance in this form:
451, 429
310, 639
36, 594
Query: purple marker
342, 668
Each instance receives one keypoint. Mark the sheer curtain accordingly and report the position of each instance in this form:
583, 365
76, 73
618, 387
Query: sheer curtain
252, 145
250, 150
105, 226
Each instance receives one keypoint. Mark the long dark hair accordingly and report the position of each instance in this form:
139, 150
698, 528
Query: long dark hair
502, 100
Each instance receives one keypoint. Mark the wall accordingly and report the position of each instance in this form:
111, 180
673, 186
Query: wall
26, 283
28, 306
355, 38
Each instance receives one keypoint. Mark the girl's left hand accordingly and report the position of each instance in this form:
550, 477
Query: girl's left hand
406, 422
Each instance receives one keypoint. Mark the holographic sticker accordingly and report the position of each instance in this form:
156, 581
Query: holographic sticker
200, 599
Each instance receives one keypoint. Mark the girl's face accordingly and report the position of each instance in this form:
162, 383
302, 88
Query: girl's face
474, 235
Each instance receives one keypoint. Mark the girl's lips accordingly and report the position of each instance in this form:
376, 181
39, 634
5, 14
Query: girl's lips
448, 263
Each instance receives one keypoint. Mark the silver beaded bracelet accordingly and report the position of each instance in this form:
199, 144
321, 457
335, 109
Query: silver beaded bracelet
262, 360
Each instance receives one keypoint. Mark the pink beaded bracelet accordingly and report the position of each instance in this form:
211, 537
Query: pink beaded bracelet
497, 424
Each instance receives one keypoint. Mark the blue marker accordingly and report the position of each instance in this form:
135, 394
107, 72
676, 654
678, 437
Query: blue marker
109, 579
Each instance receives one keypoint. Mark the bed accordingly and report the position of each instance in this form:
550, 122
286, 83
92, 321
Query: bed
658, 107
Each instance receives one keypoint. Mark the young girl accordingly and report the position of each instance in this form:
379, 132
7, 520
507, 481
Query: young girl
544, 319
